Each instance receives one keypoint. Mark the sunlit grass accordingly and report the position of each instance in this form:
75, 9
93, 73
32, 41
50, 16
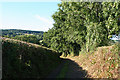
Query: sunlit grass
102, 63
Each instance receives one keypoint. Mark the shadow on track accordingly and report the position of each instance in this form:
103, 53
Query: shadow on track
73, 70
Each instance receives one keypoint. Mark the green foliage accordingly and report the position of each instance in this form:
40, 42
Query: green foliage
83, 26
14, 32
26, 60
23, 35
101, 24
29, 38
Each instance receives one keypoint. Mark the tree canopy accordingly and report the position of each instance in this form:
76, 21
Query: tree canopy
83, 26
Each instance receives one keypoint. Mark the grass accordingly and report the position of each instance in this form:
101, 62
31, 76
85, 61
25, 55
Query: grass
102, 63
63, 71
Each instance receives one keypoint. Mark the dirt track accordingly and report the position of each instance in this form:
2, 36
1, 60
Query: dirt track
74, 70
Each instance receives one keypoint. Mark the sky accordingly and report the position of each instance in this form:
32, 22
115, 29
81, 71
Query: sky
27, 15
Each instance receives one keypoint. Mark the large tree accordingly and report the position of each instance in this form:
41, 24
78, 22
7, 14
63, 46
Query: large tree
83, 25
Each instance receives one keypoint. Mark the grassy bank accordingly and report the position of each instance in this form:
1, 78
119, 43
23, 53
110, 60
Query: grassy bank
102, 63
27, 60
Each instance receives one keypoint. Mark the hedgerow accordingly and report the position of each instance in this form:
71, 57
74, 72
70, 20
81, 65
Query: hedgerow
27, 60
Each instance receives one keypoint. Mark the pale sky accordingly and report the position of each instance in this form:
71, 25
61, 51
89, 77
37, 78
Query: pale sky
27, 15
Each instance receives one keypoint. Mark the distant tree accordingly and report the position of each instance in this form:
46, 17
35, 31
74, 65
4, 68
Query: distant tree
27, 38
32, 36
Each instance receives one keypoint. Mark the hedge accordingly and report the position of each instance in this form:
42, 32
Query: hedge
27, 60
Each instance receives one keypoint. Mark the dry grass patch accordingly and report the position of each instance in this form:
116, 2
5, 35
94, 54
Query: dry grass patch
103, 63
